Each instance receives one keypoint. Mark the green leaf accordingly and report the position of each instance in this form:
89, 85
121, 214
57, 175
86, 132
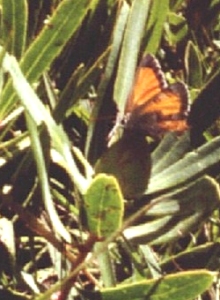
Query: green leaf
176, 29
176, 4
155, 25
103, 206
117, 38
107, 270
181, 286
130, 50
171, 149
205, 256
193, 62
129, 161
63, 23
191, 166
77, 89
14, 25
36, 109
177, 213
42, 171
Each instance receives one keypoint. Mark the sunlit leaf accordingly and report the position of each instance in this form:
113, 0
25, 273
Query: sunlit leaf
103, 206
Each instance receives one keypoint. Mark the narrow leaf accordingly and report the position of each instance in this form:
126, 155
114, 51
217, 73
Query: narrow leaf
14, 25
130, 50
177, 213
193, 62
170, 151
110, 66
155, 25
40, 114
41, 53
190, 166
44, 181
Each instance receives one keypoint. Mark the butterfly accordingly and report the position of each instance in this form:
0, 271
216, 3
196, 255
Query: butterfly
154, 107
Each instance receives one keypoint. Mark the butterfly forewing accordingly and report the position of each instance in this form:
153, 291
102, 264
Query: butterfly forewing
149, 81
154, 107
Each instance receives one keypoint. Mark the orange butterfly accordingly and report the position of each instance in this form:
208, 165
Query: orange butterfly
154, 107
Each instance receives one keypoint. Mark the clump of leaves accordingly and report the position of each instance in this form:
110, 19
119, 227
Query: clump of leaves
66, 67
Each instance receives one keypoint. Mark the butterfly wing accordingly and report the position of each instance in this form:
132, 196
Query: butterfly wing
149, 81
153, 107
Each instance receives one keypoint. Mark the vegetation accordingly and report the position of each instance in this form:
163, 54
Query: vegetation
80, 220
